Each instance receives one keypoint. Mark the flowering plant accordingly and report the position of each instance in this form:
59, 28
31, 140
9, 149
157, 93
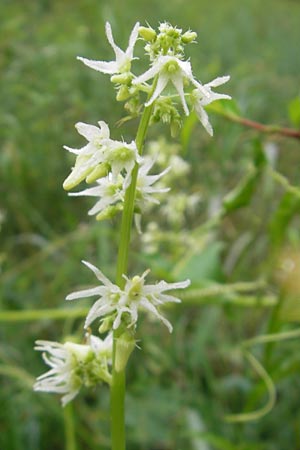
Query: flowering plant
123, 184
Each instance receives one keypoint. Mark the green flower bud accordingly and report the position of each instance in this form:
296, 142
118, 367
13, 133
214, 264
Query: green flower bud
175, 128
123, 93
100, 171
122, 78
106, 324
75, 178
109, 212
147, 33
188, 37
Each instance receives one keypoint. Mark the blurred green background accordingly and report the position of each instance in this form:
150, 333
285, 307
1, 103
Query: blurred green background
179, 386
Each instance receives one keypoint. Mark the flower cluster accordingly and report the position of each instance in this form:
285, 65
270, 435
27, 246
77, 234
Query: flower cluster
123, 304
111, 191
74, 366
100, 156
168, 67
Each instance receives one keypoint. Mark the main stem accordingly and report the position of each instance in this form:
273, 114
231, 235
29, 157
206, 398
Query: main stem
118, 376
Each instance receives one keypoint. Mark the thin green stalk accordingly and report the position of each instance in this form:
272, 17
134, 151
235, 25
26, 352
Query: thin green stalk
127, 216
118, 376
69, 427
28, 315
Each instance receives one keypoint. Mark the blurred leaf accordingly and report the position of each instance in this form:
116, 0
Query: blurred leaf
294, 111
224, 107
187, 130
241, 195
289, 205
201, 266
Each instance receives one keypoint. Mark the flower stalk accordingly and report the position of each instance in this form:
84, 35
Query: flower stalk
118, 377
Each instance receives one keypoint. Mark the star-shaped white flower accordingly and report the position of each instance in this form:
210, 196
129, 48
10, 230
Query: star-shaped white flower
74, 365
123, 59
111, 191
100, 156
169, 69
135, 296
204, 95
145, 190
108, 191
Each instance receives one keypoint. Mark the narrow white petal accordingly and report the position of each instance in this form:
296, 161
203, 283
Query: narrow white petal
102, 204
67, 398
218, 81
104, 129
85, 293
99, 275
90, 132
203, 117
161, 84
101, 66
118, 52
77, 151
96, 313
150, 73
132, 40
151, 308
177, 80
96, 191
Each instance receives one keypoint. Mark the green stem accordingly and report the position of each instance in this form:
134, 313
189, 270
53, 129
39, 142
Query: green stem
28, 315
117, 399
69, 427
127, 216
118, 376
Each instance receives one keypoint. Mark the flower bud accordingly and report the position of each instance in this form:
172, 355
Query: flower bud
109, 212
147, 33
122, 78
100, 171
106, 324
123, 93
188, 37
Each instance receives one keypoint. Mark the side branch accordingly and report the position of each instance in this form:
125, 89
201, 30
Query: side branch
270, 129
262, 128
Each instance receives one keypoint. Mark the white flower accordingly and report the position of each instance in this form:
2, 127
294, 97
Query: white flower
74, 365
108, 191
135, 296
168, 68
123, 59
100, 155
144, 185
111, 191
203, 96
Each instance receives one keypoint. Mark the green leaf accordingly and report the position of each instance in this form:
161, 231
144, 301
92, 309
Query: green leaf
201, 266
187, 130
241, 195
294, 111
288, 206
224, 107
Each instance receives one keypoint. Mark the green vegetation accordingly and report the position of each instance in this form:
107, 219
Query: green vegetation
244, 267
